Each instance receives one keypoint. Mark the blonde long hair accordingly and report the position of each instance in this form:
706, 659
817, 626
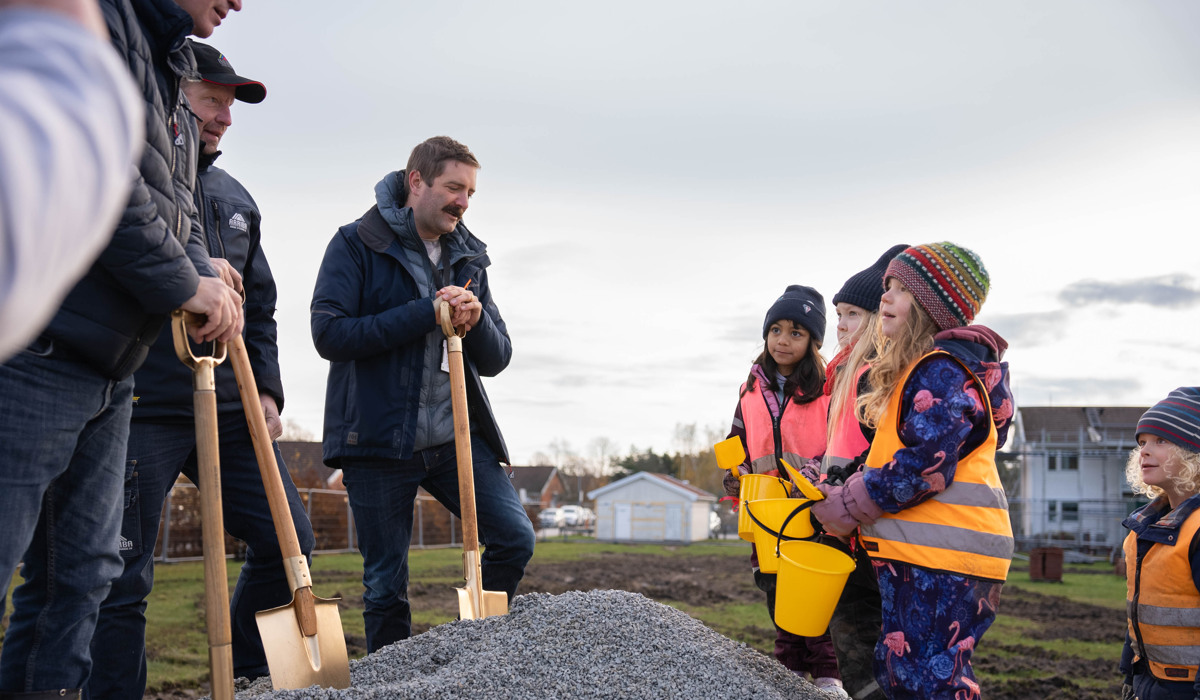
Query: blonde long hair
846, 381
894, 356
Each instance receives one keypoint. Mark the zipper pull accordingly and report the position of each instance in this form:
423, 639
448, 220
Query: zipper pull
178, 135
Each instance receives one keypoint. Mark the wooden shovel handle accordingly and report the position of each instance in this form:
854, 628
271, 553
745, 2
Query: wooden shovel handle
281, 513
462, 432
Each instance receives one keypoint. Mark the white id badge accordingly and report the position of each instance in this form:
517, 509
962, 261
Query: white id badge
445, 357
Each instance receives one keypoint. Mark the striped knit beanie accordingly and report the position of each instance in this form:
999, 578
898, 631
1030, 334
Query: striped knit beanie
948, 281
1175, 418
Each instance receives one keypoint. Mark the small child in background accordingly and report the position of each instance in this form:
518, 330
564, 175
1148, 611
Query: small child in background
1162, 561
855, 623
781, 414
929, 506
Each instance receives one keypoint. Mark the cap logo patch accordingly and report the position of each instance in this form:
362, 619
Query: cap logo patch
807, 308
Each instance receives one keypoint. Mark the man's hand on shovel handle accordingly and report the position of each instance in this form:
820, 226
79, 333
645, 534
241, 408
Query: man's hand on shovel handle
222, 310
465, 305
228, 274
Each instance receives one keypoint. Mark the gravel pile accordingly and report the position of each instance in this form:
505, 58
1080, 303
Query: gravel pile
598, 644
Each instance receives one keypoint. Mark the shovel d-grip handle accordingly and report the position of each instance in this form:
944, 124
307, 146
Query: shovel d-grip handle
180, 320
295, 563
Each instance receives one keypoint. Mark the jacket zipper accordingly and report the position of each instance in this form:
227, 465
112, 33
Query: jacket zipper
1133, 609
217, 223
777, 429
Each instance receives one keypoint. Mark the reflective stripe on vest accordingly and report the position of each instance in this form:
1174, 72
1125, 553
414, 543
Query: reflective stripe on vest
1164, 622
847, 440
964, 529
802, 431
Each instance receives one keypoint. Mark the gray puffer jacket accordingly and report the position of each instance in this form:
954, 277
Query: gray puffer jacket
111, 318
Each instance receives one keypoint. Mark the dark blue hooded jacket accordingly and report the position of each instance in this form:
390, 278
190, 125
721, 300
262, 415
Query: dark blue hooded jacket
370, 319
230, 229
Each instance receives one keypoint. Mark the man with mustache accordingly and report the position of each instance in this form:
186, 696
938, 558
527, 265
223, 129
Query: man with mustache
65, 401
388, 421
162, 436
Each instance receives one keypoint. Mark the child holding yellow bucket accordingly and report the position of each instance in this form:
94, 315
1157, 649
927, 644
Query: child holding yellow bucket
1161, 552
855, 623
929, 506
781, 414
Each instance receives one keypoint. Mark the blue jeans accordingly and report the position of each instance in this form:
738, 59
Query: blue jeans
62, 445
382, 493
157, 454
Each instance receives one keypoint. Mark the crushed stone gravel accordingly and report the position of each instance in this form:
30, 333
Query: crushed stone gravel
594, 644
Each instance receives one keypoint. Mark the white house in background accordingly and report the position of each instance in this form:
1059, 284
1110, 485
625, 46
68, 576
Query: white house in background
1072, 489
648, 507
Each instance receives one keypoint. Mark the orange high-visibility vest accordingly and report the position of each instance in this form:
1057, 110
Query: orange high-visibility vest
965, 529
801, 431
847, 440
1163, 608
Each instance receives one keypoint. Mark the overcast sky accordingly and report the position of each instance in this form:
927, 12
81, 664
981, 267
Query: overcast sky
654, 175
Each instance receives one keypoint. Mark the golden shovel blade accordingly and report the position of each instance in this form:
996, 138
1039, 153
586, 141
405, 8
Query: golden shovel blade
493, 603
296, 661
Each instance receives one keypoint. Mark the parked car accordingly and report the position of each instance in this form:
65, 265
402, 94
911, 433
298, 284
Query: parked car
572, 515
551, 517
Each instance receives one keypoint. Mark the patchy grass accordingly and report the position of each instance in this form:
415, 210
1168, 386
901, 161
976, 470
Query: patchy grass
178, 655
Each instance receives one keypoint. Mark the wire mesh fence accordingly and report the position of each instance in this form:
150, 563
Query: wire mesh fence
328, 510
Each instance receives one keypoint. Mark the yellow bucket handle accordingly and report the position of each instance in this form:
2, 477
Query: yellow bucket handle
779, 536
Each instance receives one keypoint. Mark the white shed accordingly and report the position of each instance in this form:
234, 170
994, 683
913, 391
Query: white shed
648, 507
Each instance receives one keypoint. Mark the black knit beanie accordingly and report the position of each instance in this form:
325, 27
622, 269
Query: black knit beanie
865, 288
799, 304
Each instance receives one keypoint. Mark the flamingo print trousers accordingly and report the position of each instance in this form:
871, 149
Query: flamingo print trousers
932, 622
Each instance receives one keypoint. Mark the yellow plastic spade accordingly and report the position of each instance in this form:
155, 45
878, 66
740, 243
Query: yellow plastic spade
730, 455
806, 487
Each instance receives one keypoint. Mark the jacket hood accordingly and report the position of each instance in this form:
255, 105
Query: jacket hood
981, 349
390, 194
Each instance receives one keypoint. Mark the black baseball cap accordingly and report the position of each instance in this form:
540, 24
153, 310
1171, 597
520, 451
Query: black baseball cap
214, 68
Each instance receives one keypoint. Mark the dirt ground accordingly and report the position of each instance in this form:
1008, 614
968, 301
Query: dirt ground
715, 580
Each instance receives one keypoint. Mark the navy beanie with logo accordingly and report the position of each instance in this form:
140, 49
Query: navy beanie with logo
799, 304
1176, 418
864, 289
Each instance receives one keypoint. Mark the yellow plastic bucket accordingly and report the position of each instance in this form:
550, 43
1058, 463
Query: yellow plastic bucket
754, 487
811, 579
768, 516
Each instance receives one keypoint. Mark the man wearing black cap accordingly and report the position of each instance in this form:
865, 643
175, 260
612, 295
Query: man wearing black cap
162, 440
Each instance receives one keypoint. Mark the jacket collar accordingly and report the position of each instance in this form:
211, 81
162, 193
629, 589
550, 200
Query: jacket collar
205, 160
1157, 522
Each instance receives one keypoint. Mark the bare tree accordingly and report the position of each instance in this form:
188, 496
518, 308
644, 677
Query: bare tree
602, 450
295, 432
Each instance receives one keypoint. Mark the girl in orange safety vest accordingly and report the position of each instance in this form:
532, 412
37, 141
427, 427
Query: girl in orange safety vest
781, 414
1162, 561
929, 506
